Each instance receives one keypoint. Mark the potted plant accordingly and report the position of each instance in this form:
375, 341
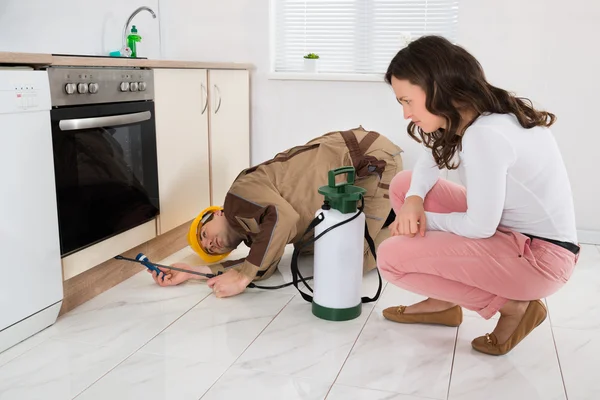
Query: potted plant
311, 62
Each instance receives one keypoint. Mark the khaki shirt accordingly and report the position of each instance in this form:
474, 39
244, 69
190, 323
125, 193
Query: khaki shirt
272, 204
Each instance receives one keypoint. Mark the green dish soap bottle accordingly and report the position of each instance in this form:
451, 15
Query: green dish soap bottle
132, 41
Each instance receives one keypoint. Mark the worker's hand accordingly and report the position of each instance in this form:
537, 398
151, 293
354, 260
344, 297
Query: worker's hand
229, 284
411, 218
171, 278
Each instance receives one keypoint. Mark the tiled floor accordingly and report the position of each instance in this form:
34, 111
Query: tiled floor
141, 341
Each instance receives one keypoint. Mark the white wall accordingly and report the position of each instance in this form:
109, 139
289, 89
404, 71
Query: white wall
545, 50
75, 26
542, 49
285, 113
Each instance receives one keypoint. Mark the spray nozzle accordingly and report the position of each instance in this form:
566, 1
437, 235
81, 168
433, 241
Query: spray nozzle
326, 205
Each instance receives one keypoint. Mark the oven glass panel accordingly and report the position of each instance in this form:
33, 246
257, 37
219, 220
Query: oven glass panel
106, 176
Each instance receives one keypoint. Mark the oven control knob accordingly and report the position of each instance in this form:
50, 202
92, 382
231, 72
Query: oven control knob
133, 87
94, 88
142, 86
82, 88
70, 88
124, 86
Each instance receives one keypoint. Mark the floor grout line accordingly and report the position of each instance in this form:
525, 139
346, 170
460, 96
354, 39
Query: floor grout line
388, 392
384, 285
247, 347
138, 349
371, 314
452, 364
562, 376
26, 351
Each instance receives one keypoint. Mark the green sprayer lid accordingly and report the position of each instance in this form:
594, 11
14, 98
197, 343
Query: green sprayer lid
133, 29
342, 196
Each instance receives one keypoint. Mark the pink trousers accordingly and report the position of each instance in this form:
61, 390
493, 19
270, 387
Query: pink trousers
477, 274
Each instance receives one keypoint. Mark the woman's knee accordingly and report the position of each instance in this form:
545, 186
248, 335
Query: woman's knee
400, 184
399, 254
388, 257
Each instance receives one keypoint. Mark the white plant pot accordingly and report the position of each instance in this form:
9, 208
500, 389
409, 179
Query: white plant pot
311, 65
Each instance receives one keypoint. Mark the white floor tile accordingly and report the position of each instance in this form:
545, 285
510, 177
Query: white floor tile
55, 370
298, 343
529, 372
152, 377
577, 304
589, 259
342, 392
370, 284
240, 383
130, 314
219, 330
285, 352
407, 359
579, 355
283, 273
141, 288
23, 347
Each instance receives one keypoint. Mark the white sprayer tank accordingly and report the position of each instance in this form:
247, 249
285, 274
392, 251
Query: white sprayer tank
338, 254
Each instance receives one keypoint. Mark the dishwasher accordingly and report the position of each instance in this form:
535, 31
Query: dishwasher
31, 284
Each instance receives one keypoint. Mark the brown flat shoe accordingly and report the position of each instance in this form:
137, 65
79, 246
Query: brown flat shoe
450, 317
534, 315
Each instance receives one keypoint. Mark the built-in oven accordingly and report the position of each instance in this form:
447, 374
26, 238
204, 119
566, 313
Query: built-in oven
104, 144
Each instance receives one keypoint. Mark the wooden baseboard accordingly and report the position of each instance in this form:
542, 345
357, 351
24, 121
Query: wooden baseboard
91, 283
88, 258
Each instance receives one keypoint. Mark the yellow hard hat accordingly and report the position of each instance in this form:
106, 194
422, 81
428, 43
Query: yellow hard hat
193, 236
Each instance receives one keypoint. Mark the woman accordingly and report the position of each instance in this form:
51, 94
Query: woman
505, 241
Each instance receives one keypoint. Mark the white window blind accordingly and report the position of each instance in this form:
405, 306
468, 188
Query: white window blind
354, 36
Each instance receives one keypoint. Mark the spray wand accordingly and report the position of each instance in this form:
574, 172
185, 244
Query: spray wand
142, 259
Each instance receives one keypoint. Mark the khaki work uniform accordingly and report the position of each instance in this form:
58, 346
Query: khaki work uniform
273, 203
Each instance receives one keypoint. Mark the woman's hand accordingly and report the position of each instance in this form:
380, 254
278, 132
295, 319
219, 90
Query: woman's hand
411, 218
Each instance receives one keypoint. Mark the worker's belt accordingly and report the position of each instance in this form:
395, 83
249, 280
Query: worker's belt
363, 164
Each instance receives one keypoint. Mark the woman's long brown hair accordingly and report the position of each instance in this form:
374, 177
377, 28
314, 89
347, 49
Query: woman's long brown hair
453, 79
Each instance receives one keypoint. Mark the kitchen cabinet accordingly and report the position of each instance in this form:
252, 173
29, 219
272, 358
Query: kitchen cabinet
181, 109
229, 128
203, 139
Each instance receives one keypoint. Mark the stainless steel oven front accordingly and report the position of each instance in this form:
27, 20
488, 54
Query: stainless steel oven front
104, 143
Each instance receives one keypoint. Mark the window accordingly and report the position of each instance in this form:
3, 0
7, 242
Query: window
354, 36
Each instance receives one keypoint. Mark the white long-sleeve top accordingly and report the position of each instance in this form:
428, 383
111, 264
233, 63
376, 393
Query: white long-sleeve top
514, 177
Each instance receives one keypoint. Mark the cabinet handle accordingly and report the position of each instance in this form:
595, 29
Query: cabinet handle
205, 97
219, 92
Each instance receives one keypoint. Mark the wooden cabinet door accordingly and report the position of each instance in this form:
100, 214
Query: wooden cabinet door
181, 98
229, 128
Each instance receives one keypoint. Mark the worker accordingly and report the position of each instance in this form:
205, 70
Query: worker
272, 204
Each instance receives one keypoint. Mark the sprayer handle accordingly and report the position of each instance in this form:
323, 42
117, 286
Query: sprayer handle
339, 171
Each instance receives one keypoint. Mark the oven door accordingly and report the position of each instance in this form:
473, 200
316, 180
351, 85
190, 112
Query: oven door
106, 170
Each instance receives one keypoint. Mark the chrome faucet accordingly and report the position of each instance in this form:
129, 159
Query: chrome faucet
133, 14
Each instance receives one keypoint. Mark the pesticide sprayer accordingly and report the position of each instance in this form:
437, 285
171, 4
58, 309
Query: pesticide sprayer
339, 230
